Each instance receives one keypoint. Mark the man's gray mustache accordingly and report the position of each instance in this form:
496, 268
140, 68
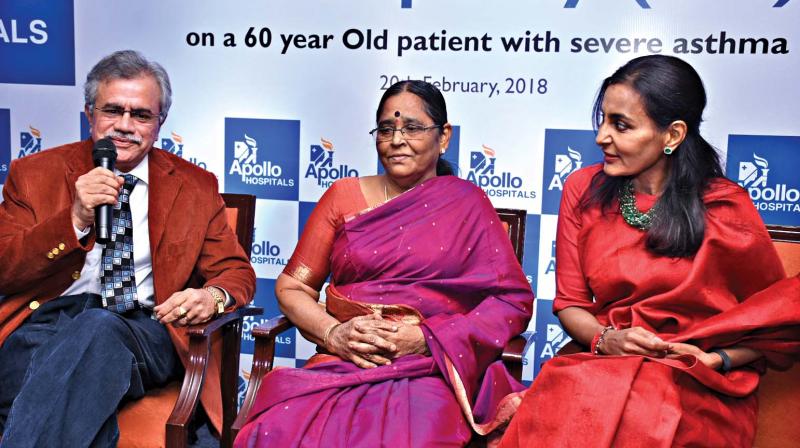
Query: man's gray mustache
123, 136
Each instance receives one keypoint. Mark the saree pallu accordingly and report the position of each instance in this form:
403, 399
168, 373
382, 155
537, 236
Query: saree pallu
731, 293
436, 256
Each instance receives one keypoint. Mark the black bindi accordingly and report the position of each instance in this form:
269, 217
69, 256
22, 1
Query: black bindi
397, 114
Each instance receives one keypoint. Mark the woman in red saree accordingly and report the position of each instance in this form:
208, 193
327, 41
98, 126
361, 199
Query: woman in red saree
425, 292
678, 308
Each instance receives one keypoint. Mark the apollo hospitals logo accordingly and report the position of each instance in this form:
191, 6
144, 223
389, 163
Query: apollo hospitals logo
245, 164
551, 264
502, 184
565, 164
262, 157
753, 176
265, 298
549, 337
321, 166
264, 252
565, 151
30, 142
37, 42
767, 166
34, 33
556, 340
173, 145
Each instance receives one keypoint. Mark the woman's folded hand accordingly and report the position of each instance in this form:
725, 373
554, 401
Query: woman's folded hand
712, 360
371, 341
360, 341
409, 340
634, 341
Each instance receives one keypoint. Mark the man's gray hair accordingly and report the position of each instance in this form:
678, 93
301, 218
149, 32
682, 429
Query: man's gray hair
127, 64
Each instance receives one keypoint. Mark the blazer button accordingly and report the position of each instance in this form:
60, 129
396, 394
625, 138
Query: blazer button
33, 305
62, 246
76, 275
55, 251
50, 255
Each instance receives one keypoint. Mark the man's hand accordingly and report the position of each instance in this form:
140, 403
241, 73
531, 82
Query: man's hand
98, 186
187, 307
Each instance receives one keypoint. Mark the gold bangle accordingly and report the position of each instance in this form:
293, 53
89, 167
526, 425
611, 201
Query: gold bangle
328, 333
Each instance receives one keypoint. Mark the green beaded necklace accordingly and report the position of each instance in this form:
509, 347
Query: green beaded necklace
630, 213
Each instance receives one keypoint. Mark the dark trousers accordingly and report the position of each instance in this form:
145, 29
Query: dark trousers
64, 372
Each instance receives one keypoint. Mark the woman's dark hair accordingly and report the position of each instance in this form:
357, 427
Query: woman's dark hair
435, 107
671, 90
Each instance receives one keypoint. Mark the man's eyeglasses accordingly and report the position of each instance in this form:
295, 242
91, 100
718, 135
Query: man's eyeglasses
115, 112
410, 132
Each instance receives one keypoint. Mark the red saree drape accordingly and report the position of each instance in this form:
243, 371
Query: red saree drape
720, 297
436, 256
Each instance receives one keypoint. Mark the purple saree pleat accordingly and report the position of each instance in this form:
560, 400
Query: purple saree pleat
436, 256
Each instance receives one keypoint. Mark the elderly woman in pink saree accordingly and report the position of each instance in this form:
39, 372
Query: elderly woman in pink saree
425, 292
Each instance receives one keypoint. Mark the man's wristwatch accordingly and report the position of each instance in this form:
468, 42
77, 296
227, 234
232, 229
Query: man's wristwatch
219, 299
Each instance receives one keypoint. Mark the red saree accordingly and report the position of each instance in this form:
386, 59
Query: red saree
720, 297
436, 256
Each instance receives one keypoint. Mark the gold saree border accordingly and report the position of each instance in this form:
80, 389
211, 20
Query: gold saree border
301, 272
505, 409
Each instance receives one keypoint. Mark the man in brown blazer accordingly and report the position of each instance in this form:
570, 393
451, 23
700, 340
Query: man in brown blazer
84, 325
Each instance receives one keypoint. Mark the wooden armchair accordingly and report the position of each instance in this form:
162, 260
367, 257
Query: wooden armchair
264, 356
165, 416
778, 393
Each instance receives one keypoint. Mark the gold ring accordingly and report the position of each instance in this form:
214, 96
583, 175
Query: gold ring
181, 311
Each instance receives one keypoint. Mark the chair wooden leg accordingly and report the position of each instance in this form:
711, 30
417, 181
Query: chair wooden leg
178, 423
263, 359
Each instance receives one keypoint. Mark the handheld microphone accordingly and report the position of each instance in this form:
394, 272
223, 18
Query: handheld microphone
104, 154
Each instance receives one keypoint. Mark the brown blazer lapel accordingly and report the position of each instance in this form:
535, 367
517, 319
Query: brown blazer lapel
78, 164
164, 187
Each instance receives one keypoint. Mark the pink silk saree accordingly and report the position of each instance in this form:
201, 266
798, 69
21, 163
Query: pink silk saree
436, 256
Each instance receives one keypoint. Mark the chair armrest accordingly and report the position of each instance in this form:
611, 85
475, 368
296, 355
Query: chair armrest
272, 328
207, 328
199, 353
263, 360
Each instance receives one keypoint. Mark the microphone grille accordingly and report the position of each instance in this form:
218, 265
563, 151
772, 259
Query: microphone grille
104, 148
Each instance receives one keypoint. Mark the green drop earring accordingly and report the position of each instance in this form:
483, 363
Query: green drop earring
668, 150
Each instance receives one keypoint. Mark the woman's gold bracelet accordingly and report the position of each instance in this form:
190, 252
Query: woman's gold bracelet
328, 333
